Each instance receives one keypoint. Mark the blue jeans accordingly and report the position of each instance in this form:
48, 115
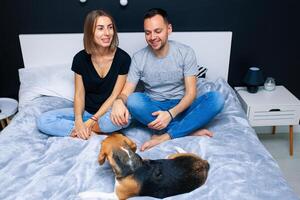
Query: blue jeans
196, 116
60, 122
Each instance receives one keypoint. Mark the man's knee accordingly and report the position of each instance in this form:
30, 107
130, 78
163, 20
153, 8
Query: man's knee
218, 100
135, 101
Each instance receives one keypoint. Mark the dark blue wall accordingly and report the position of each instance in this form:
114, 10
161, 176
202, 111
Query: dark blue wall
265, 32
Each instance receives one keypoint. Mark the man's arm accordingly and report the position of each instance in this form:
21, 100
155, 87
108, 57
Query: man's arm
164, 117
120, 113
190, 83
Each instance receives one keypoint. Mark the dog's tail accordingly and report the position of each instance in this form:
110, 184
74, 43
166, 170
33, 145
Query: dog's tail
89, 195
179, 149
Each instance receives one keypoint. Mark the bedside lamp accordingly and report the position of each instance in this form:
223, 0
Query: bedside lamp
253, 79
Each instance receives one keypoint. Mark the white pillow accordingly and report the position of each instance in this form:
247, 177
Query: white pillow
48, 80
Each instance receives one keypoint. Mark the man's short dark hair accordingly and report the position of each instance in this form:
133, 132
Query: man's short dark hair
156, 11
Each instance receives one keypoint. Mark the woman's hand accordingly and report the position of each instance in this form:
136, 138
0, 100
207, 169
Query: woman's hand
82, 130
162, 120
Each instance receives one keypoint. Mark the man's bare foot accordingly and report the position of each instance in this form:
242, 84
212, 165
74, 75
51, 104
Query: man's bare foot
202, 132
155, 140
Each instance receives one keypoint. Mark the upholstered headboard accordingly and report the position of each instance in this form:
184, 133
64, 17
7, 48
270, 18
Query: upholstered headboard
212, 48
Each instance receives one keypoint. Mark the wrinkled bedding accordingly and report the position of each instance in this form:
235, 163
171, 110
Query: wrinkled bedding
35, 166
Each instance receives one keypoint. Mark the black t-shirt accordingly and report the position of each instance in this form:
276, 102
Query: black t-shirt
98, 89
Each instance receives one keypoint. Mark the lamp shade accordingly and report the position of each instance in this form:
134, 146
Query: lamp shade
253, 79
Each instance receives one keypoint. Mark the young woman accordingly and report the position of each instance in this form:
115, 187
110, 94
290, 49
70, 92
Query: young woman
100, 74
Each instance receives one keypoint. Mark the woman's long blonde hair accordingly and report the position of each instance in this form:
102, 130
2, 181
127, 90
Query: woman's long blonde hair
89, 30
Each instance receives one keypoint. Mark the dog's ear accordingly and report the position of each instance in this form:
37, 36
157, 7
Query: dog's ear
131, 144
102, 156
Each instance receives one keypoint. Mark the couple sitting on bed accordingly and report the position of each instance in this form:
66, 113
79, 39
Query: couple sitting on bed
105, 100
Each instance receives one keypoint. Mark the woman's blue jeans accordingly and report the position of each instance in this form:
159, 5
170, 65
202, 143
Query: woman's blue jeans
61, 122
201, 111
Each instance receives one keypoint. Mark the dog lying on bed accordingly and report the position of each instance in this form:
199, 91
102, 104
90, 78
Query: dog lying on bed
180, 173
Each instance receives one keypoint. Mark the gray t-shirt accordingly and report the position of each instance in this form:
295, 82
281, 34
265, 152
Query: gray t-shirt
163, 78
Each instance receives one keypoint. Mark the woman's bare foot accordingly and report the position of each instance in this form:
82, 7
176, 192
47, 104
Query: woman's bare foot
202, 132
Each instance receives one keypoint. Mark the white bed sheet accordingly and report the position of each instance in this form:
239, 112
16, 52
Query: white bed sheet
35, 166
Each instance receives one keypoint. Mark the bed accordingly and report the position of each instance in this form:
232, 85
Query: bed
35, 166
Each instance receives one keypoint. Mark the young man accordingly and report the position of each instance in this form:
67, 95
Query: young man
168, 70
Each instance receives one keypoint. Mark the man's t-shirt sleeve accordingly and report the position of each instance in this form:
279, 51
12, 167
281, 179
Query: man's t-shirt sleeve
190, 63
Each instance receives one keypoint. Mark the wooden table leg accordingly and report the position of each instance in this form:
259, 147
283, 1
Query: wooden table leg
291, 141
2, 124
273, 130
7, 121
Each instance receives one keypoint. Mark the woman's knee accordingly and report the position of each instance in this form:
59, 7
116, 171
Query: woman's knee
106, 125
39, 122
44, 121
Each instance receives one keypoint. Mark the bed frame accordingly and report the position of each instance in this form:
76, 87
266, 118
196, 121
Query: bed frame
212, 48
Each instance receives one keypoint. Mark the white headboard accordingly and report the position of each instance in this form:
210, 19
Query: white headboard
212, 48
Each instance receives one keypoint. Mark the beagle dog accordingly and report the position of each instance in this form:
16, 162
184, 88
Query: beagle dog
180, 173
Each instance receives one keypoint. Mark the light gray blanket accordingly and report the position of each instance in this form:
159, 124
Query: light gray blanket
35, 166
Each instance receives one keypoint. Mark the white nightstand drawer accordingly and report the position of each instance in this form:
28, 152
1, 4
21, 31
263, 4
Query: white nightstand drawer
269, 115
271, 108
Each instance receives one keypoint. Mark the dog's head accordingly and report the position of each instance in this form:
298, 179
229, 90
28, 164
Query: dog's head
112, 143
119, 150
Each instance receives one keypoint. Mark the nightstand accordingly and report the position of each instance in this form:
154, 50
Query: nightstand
271, 108
8, 108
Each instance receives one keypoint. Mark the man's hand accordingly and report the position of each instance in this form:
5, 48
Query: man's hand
119, 114
162, 120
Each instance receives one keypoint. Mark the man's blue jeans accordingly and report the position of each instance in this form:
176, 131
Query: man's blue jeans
60, 122
202, 111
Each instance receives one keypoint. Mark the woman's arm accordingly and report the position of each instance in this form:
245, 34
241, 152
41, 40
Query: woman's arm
80, 129
107, 104
79, 99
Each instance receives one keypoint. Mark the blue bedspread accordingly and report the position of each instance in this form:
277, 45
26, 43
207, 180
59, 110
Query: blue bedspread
35, 166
